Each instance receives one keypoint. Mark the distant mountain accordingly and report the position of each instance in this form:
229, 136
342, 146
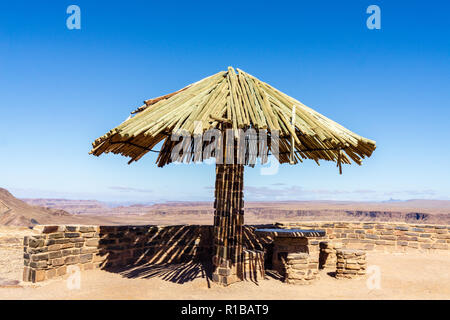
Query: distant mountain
72, 206
14, 212
88, 207
419, 211
391, 200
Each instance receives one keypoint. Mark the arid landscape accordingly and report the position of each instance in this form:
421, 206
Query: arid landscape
422, 276
25, 212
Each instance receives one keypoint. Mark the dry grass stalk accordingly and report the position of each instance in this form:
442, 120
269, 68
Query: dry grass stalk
241, 101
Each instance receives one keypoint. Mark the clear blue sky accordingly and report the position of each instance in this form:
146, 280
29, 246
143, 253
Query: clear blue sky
60, 89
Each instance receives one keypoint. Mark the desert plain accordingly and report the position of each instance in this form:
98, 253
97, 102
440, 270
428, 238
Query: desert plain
411, 275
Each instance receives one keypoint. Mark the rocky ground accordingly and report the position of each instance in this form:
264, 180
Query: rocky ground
402, 276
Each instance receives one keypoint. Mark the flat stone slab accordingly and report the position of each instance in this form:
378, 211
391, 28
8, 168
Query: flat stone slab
290, 233
351, 251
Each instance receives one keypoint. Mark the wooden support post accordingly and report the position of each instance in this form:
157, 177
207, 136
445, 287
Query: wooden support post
228, 223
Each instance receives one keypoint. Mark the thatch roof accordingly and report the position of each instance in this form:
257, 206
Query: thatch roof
241, 101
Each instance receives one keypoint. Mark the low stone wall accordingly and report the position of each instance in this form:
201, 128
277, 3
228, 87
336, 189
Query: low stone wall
49, 253
351, 263
130, 245
327, 255
387, 237
300, 268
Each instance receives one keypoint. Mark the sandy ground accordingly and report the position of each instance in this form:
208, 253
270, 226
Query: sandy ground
412, 276
11, 252
402, 276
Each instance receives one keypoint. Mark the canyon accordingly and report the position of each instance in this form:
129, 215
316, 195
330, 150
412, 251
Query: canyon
28, 212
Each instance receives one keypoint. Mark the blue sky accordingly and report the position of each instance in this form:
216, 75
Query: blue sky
60, 89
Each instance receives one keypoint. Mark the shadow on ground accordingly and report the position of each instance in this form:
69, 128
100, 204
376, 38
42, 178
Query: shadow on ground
173, 272
177, 272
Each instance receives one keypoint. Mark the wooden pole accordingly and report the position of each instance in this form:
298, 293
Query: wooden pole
228, 221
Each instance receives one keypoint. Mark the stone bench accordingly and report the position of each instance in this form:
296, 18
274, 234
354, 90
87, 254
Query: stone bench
327, 254
300, 268
350, 263
291, 254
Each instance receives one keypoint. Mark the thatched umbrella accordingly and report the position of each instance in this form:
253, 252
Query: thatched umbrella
227, 101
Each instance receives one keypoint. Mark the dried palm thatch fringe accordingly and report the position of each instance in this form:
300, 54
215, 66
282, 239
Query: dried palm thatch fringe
242, 101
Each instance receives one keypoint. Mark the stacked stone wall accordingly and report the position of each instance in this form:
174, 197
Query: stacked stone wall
132, 245
350, 264
49, 253
300, 268
386, 237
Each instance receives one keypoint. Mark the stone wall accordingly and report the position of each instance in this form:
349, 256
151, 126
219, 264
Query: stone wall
300, 268
128, 245
386, 236
351, 263
49, 253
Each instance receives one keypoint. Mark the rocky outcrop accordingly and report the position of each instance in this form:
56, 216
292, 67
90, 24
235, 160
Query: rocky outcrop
15, 212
